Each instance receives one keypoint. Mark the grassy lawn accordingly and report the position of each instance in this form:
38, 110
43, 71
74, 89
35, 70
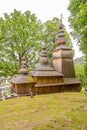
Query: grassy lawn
60, 111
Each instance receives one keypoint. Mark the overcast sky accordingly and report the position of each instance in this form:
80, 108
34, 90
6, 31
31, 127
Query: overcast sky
44, 10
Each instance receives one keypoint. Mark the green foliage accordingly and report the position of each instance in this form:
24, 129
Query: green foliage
22, 34
50, 30
80, 74
78, 22
80, 69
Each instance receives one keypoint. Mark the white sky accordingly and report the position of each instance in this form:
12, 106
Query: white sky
44, 10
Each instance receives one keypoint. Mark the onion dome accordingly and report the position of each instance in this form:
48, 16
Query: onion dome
61, 41
61, 37
43, 56
23, 69
23, 76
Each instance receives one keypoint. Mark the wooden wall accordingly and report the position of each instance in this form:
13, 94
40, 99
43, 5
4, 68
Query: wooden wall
56, 88
48, 79
22, 89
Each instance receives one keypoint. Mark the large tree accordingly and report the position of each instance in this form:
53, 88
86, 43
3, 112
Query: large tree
20, 34
78, 23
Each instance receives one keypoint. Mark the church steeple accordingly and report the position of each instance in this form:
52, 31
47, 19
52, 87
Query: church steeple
63, 55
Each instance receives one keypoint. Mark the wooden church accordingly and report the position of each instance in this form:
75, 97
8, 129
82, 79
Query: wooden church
45, 79
60, 78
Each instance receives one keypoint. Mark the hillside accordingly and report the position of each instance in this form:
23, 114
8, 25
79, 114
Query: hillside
79, 60
60, 111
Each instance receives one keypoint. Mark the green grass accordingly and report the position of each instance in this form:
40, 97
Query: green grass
60, 111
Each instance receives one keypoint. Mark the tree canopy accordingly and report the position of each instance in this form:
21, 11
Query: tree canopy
22, 34
78, 22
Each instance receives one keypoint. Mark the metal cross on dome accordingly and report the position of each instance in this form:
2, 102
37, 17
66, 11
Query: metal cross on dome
61, 17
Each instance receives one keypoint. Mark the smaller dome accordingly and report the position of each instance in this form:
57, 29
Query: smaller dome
43, 55
23, 76
23, 69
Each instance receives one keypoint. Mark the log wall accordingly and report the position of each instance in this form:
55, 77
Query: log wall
56, 88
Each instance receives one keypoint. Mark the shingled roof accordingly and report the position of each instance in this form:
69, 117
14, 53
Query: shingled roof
23, 76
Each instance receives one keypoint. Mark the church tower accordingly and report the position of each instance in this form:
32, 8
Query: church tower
63, 56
